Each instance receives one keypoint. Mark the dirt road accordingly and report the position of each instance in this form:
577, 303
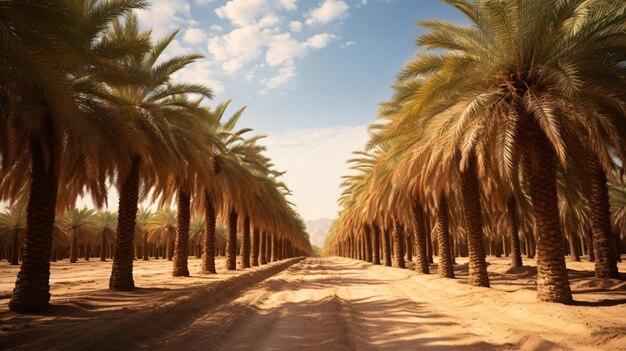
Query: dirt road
339, 304
335, 304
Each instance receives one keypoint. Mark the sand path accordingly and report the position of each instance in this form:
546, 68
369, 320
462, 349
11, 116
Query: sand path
341, 304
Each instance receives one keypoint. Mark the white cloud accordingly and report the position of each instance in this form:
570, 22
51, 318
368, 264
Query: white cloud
269, 21
348, 44
319, 41
194, 35
289, 5
295, 26
284, 76
243, 12
203, 2
238, 47
216, 28
165, 16
257, 34
283, 49
315, 160
200, 72
328, 11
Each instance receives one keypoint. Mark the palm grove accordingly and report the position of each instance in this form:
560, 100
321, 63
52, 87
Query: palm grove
505, 134
88, 101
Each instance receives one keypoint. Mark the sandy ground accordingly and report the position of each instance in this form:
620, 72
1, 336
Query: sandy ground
319, 304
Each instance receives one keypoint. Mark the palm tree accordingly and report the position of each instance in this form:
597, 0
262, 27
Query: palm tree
161, 229
145, 105
493, 90
46, 44
105, 225
143, 218
80, 226
12, 229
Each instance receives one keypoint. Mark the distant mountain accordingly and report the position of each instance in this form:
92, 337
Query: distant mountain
318, 229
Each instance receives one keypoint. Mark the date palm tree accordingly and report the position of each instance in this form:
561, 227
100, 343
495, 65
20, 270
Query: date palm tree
145, 104
143, 218
43, 46
106, 225
80, 226
161, 229
492, 90
12, 230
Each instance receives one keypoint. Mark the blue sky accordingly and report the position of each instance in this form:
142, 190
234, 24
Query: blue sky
311, 73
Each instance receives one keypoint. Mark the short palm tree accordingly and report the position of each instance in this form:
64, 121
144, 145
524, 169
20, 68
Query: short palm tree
105, 225
12, 229
161, 229
80, 226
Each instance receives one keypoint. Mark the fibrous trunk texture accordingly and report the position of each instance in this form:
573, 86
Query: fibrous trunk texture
262, 248
605, 262
32, 287
474, 225
181, 246
254, 255
398, 245
274, 249
421, 259
74, 247
368, 243
386, 247
231, 241
516, 257
208, 247
245, 243
539, 170
122, 270
375, 244
445, 267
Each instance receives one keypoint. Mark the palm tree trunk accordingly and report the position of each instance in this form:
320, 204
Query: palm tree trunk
409, 247
606, 264
516, 257
262, 248
368, 242
15, 248
474, 224
122, 270
245, 243
421, 260
74, 248
274, 249
103, 245
386, 248
376, 244
208, 254
398, 248
429, 241
540, 172
181, 246
231, 241
144, 245
32, 287
445, 268
254, 255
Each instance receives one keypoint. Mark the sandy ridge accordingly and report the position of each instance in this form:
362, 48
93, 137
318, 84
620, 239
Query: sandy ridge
173, 311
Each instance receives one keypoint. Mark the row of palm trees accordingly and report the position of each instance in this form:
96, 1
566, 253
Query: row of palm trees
87, 102
511, 124
86, 233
